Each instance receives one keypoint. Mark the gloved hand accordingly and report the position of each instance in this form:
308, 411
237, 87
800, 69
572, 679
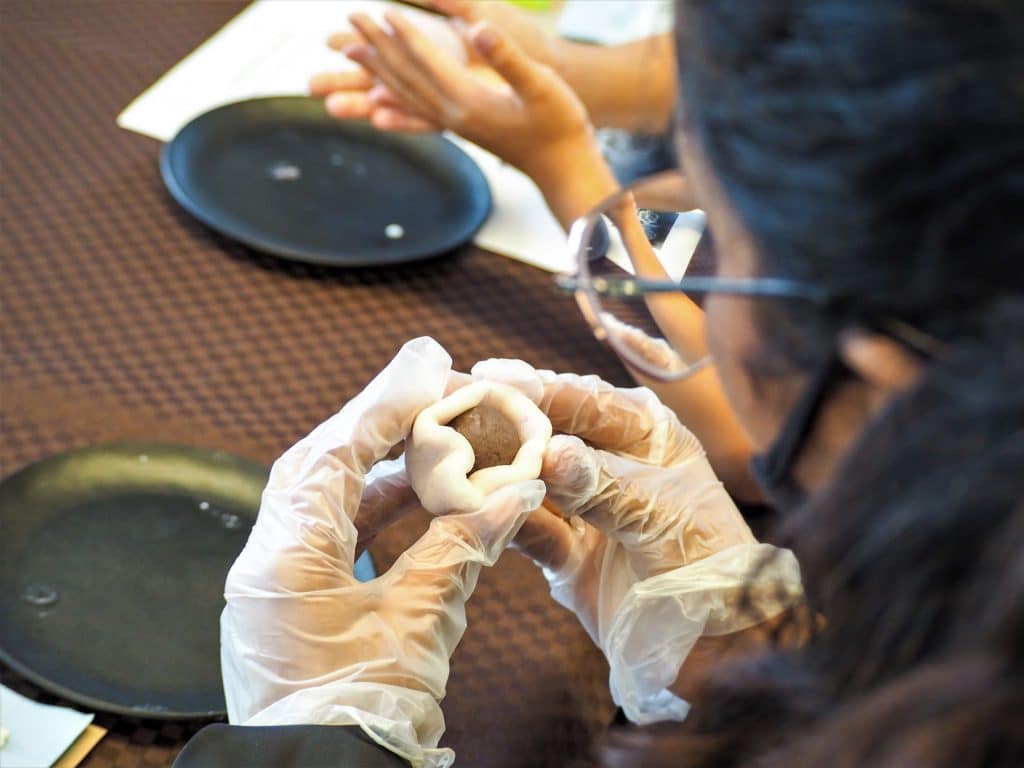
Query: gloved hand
301, 640
654, 553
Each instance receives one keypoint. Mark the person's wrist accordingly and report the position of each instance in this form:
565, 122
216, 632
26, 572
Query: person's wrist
572, 174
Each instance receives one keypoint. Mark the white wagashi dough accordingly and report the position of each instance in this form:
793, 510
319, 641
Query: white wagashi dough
440, 461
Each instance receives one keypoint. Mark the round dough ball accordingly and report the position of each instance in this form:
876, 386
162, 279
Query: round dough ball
439, 460
492, 434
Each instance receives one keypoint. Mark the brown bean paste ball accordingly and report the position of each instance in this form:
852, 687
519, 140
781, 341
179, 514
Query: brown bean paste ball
492, 434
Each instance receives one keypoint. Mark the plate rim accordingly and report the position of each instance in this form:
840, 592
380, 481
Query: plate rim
181, 196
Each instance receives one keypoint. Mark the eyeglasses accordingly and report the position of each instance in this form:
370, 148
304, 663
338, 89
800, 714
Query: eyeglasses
643, 255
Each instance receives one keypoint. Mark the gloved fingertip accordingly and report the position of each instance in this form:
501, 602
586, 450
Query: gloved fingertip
456, 380
563, 443
527, 495
532, 493
571, 472
428, 348
515, 373
564, 453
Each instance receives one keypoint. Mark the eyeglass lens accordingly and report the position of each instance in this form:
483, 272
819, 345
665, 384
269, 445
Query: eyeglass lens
647, 231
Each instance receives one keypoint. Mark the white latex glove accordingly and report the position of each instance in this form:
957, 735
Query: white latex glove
655, 554
301, 640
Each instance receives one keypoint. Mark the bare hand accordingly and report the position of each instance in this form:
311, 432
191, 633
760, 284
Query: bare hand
355, 94
514, 23
509, 104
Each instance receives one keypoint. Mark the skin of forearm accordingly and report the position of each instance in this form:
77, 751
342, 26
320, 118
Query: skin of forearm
700, 403
573, 177
630, 86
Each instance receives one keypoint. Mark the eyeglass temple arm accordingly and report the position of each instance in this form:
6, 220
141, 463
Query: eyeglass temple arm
624, 286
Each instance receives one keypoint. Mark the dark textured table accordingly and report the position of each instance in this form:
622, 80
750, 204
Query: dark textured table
123, 319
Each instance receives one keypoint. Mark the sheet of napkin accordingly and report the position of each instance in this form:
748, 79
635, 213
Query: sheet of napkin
271, 49
38, 733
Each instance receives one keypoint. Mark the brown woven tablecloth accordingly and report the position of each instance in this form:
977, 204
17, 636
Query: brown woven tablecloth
122, 318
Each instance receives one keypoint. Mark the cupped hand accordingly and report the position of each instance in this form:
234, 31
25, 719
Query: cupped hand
638, 538
514, 23
506, 102
351, 94
628, 467
354, 94
302, 640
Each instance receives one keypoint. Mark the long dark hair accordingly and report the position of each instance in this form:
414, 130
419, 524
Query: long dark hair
876, 147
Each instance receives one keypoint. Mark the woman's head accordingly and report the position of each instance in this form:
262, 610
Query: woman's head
872, 147
876, 149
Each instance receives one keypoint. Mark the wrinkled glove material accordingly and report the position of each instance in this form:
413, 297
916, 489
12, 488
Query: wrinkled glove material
302, 641
659, 553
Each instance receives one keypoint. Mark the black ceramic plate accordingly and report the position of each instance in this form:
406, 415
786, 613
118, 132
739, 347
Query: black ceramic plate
281, 176
112, 567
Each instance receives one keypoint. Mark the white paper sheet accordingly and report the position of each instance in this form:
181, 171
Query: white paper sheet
674, 253
612, 22
39, 733
271, 49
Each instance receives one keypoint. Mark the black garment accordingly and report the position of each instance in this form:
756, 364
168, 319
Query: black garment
285, 746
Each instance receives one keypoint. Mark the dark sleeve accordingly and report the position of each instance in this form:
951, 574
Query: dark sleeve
285, 746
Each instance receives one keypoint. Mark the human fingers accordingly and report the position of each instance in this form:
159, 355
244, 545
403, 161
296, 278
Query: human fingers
381, 107
387, 498
441, 70
442, 29
368, 57
630, 421
394, 64
667, 517
509, 60
546, 538
657, 351
324, 83
422, 598
457, 380
396, 121
341, 40
316, 486
619, 501
446, 560
453, 8
571, 473
349, 106
382, 96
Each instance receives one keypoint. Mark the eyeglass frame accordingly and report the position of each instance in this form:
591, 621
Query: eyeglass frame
586, 291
